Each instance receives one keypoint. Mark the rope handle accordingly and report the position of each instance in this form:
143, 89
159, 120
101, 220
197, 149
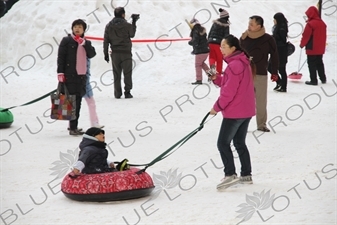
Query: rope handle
176, 145
299, 62
66, 92
30, 102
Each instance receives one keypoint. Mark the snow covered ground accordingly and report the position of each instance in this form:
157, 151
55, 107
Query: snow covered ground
294, 166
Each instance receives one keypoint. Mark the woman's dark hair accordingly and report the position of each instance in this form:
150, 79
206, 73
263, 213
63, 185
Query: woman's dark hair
233, 41
281, 21
79, 22
280, 18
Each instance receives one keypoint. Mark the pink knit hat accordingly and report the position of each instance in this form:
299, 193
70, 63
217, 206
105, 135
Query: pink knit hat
223, 13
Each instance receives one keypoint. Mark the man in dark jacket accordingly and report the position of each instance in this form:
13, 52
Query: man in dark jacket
260, 45
314, 40
118, 33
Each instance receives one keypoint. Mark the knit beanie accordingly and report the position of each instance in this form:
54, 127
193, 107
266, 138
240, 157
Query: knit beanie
223, 13
93, 131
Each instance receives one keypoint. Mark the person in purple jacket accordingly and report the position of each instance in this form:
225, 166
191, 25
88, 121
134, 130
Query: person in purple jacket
237, 105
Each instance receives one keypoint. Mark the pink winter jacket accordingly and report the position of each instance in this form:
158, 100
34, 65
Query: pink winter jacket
237, 98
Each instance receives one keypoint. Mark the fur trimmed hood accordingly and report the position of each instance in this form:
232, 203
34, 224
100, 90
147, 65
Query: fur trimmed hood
221, 23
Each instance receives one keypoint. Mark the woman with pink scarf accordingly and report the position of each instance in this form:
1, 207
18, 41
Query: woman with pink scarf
72, 56
237, 105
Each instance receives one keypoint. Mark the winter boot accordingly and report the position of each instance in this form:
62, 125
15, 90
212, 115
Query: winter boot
197, 82
128, 95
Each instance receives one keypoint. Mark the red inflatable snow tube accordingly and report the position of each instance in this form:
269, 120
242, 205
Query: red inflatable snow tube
111, 186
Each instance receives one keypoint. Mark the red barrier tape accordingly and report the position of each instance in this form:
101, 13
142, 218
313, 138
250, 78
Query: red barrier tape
143, 40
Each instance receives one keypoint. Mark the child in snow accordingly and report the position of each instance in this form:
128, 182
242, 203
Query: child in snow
89, 98
200, 49
219, 30
93, 155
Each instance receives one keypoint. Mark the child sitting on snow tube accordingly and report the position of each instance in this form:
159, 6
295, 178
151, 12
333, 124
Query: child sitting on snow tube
94, 178
93, 155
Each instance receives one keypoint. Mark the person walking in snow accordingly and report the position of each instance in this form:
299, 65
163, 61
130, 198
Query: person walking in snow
314, 40
237, 105
280, 34
118, 33
72, 56
200, 49
218, 31
93, 156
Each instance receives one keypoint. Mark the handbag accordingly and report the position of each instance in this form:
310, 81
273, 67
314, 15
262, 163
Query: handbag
63, 106
291, 48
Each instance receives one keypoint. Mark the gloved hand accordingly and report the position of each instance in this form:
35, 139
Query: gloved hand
106, 58
61, 77
134, 17
274, 77
79, 40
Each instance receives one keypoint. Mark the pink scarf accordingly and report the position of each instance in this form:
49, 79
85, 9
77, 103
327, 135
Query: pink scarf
81, 59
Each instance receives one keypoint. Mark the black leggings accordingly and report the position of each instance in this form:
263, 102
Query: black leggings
284, 77
74, 123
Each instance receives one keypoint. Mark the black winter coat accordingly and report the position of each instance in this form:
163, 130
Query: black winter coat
3, 8
94, 156
280, 33
118, 33
66, 63
219, 30
199, 40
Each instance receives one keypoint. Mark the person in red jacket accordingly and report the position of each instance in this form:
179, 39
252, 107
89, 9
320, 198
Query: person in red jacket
314, 40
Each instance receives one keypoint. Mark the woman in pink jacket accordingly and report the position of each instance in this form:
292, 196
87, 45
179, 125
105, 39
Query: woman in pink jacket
237, 105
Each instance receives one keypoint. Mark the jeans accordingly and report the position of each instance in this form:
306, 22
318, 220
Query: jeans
236, 130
